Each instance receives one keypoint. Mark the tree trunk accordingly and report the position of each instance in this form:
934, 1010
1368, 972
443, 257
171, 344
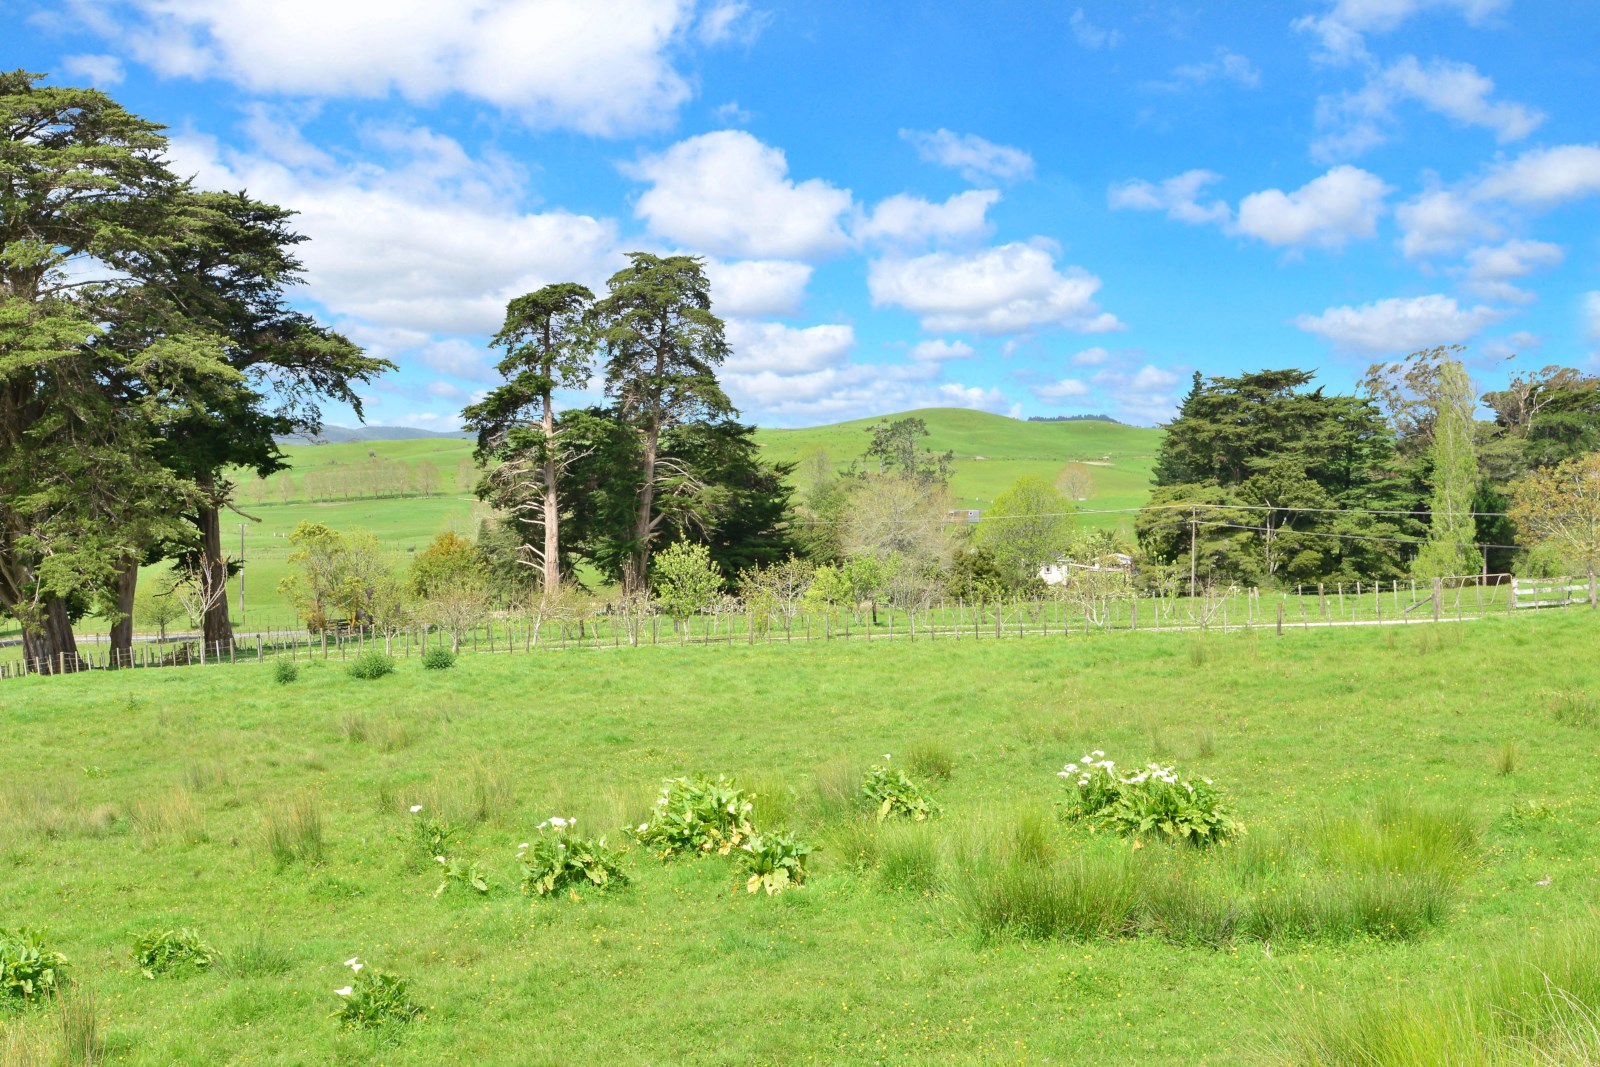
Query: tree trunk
637, 579
217, 626
52, 647
122, 630
552, 512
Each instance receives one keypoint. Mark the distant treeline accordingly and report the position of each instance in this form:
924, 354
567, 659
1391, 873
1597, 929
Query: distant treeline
1075, 418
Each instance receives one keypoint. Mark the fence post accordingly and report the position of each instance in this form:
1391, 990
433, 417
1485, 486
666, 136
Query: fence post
1438, 594
1280, 618
1513, 601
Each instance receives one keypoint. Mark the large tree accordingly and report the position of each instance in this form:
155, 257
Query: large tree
85, 201
1559, 507
1029, 527
549, 345
663, 345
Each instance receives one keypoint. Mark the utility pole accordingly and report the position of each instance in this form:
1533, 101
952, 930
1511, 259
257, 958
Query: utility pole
1191, 549
241, 574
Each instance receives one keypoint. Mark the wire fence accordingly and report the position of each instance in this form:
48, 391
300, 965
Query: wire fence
620, 624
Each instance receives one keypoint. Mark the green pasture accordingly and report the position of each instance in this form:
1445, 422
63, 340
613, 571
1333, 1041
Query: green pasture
139, 800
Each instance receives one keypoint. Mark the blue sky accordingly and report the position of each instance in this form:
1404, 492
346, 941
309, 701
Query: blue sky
1027, 207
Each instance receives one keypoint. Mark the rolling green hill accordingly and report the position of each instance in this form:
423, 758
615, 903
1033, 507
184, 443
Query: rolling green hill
991, 452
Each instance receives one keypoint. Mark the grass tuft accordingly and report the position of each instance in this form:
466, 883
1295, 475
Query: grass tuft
931, 758
293, 831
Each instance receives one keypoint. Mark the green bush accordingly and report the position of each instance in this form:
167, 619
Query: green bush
429, 833
774, 861
891, 792
166, 951
557, 857
373, 999
1155, 800
371, 664
438, 658
468, 874
697, 815
29, 972
284, 672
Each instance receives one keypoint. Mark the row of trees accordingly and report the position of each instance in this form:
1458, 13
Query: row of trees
146, 349
1262, 479
379, 476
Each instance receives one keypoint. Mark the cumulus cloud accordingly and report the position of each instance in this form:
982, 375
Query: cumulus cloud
1399, 324
1342, 205
100, 71
1357, 121
1089, 35
422, 243
1545, 177
1441, 220
1059, 391
600, 66
1343, 28
853, 390
1091, 357
731, 21
755, 287
906, 219
1146, 395
1179, 197
1445, 219
729, 194
976, 159
938, 350
1009, 289
1491, 270
772, 347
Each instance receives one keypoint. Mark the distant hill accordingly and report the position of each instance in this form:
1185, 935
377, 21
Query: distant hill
992, 451
339, 435
1075, 418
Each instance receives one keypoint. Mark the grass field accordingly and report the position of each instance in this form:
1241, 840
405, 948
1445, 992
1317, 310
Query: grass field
140, 800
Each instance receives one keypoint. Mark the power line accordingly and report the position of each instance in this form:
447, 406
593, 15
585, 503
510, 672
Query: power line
985, 517
1282, 531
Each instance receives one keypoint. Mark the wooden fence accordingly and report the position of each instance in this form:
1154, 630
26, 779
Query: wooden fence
615, 626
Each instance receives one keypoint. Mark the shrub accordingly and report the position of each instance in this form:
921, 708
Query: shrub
294, 831
893, 793
1155, 800
774, 861
374, 999
429, 833
284, 672
931, 759
466, 873
29, 971
697, 815
557, 857
371, 664
438, 658
167, 951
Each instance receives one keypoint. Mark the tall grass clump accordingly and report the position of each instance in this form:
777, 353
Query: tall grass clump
255, 957
1090, 896
1531, 1004
1575, 708
483, 792
172, 815
908, 857
293, 831
285, 673
931, 759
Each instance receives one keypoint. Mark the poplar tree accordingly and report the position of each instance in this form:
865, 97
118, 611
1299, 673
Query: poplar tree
1451, 550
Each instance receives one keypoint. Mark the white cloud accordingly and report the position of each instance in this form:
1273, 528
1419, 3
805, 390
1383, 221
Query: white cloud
1178, 197
1495, 349
1227, 65
939, 350
772, 347
729, 194
456, 357
729, 20
1361, 120
755, 287
731, 114
1545, 177
1058, 391
1342, 205
1343, 29
1591, 316
906, 219
976, 159
1012, 288
426, 243
1091, 357
1146, 395
1089, 35
600, 66
1492, 269
1441, 220
445, 390
1399, 324
100, 71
